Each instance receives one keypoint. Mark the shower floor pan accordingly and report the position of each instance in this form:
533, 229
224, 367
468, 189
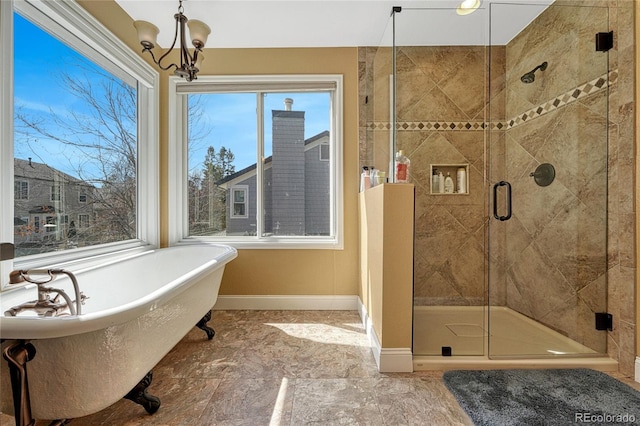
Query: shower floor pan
516, 341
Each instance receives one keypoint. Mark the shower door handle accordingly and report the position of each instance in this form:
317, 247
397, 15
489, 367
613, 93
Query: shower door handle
495, 200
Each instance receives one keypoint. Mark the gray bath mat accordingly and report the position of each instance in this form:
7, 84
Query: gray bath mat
544, 397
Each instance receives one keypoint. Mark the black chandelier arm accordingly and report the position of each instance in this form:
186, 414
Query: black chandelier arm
180, 20
157, 62
185, 56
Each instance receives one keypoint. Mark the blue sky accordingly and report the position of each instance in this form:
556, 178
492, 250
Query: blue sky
231, 119
37, 91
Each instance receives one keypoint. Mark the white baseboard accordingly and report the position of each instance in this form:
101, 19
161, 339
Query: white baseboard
637, 369
388, 360
396, 360
287, 303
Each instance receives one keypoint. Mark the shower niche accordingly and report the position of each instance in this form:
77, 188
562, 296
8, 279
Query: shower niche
459, 174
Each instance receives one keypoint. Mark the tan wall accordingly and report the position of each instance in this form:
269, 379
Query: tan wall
272, 272
321, 272
386, 272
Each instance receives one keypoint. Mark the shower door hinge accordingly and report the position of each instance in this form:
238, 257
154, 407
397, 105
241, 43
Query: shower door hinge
604, 321
604, 41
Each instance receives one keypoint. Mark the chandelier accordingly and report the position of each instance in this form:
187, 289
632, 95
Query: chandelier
189, 63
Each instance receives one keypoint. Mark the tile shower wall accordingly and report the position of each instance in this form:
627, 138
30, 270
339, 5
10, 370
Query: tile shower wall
555, 250
563, 120
441, 111
441, 114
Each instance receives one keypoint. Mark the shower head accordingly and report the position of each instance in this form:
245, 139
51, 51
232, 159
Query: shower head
531, 75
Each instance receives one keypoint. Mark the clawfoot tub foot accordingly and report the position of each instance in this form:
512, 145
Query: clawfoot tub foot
202, 325
140, 396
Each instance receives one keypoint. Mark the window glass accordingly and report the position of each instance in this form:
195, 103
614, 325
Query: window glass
75, 147
295, 182
235, 136
239, 210
222, 139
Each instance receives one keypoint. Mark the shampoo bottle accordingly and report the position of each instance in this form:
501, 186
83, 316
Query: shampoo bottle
461, 180
365, 179
440, 183
448, 184
435, 182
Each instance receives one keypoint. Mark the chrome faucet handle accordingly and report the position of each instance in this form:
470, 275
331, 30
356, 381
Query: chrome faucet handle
22, 275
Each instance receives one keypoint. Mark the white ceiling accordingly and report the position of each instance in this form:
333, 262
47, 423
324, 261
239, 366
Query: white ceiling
332, 23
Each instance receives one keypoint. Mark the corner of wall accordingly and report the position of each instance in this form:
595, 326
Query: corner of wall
388, 360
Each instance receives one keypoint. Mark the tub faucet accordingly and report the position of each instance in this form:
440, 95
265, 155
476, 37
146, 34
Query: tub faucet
45, 306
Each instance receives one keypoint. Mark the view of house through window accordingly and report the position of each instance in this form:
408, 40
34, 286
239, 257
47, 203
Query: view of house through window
75, 147
283, 136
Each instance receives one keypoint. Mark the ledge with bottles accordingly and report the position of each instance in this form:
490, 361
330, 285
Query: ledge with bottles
449, 179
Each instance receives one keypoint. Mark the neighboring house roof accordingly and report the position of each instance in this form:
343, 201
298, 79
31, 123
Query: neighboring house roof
308, 144
28, 169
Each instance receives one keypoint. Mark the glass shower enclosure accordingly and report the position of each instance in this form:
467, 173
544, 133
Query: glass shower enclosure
512, 262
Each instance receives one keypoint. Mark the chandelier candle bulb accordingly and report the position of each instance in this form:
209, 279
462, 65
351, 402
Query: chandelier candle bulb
199, 32
147, 33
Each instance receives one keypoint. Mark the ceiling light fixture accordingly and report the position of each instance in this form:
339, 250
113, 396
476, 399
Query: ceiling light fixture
189, 63
468, 6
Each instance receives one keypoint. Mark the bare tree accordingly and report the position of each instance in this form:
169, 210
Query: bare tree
98, 137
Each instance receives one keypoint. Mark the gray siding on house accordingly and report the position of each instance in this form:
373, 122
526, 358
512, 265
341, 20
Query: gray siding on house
296, 184
317, 200
32, 212
243, 226
248, 226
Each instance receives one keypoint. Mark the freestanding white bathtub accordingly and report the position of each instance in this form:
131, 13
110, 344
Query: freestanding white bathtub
137, 310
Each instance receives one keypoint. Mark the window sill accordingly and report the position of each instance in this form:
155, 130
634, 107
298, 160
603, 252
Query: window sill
83, 258
252, 243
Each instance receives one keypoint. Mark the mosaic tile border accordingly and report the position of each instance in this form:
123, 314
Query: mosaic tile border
579, 92
586, 89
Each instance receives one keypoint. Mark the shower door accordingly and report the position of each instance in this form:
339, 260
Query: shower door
547, 171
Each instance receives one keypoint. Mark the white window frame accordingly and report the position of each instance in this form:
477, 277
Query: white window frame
178, 223
56, 192
232, 200
83, 221
22, 183
73, 24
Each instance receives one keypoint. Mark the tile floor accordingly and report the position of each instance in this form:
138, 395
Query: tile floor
283, 368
